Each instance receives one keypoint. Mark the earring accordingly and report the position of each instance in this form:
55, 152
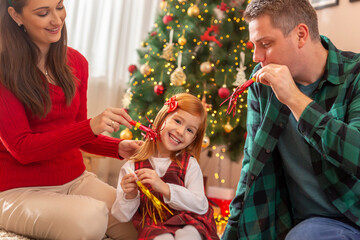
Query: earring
19, 24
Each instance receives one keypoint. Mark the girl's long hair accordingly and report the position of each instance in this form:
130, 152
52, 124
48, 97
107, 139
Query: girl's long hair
19, 57
190, 104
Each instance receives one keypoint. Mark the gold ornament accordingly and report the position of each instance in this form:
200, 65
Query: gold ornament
163, 5
205, 142
126, 134
182, 1
206, 67
178, 77
143, 44
145, 69
168, 52
182, 41
193, 11
228, 128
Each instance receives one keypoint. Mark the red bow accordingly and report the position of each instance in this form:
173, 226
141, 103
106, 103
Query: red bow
172, 104
206, 36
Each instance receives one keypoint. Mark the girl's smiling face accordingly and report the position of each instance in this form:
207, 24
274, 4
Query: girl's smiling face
177, 132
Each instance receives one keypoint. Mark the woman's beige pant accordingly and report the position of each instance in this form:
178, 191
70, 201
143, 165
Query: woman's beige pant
76, 210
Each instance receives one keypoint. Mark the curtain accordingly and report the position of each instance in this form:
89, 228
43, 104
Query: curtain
107, 33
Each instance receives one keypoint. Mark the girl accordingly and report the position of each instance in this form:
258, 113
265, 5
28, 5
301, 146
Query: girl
45, 191
169, 168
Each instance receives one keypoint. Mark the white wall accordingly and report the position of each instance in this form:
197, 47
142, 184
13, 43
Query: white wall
341, 24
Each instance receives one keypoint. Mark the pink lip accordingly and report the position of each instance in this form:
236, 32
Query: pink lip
53, 32
171, 136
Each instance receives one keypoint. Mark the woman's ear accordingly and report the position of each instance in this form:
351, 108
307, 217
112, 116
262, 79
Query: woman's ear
15, 16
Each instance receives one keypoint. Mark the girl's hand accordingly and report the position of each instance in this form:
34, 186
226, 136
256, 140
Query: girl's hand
129, 186
127, 148
110, 120
149, 176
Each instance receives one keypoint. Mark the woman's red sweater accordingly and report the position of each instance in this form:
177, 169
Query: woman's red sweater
46, 151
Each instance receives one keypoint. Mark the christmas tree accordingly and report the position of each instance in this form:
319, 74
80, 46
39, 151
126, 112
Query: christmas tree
196, 46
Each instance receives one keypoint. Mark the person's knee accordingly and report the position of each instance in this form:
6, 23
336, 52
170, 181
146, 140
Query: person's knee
90, 224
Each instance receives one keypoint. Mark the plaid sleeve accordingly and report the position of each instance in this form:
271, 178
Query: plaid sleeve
335, 134
253, 120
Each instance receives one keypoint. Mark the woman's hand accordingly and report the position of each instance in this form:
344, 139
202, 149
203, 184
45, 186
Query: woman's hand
129, 186
110, 121
127, 148
149, 176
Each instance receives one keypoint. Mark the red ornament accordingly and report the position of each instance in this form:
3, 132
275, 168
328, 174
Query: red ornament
153, 33
167, 19
223, 92
132, 68
249, 45
245, 135
223, 7
159, 89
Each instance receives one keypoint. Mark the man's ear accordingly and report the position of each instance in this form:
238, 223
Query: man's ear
15, 16
302, 32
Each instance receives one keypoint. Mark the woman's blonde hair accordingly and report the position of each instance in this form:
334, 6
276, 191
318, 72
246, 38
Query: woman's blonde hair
188, 103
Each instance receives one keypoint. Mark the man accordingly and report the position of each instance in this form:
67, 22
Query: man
301, 166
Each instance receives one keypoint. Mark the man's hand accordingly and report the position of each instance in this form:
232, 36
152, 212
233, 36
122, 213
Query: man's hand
279, 78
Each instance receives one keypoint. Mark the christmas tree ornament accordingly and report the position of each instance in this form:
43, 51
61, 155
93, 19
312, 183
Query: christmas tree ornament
228, 128
153, 33
143, 44
249, 45
126, 134
167, 19
178, 77
182, 40
240, 76
168, 51
193, 11
223, 92
132, 68
223, 7
219, 14
211, 38
206, 67
145, 69
159, 89
205, 142
163, 5
127, 98
182, 1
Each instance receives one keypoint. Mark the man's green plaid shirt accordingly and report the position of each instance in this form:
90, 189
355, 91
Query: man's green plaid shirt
330, 124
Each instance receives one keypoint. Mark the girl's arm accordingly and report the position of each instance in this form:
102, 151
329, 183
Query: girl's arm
124, 209
192, 196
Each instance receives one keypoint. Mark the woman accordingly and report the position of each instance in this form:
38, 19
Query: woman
45, 191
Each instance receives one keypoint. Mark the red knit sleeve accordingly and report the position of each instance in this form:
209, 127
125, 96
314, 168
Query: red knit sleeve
102, 145
25, 145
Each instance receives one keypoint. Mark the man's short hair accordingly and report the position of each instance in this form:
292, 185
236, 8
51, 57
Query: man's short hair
285, 14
